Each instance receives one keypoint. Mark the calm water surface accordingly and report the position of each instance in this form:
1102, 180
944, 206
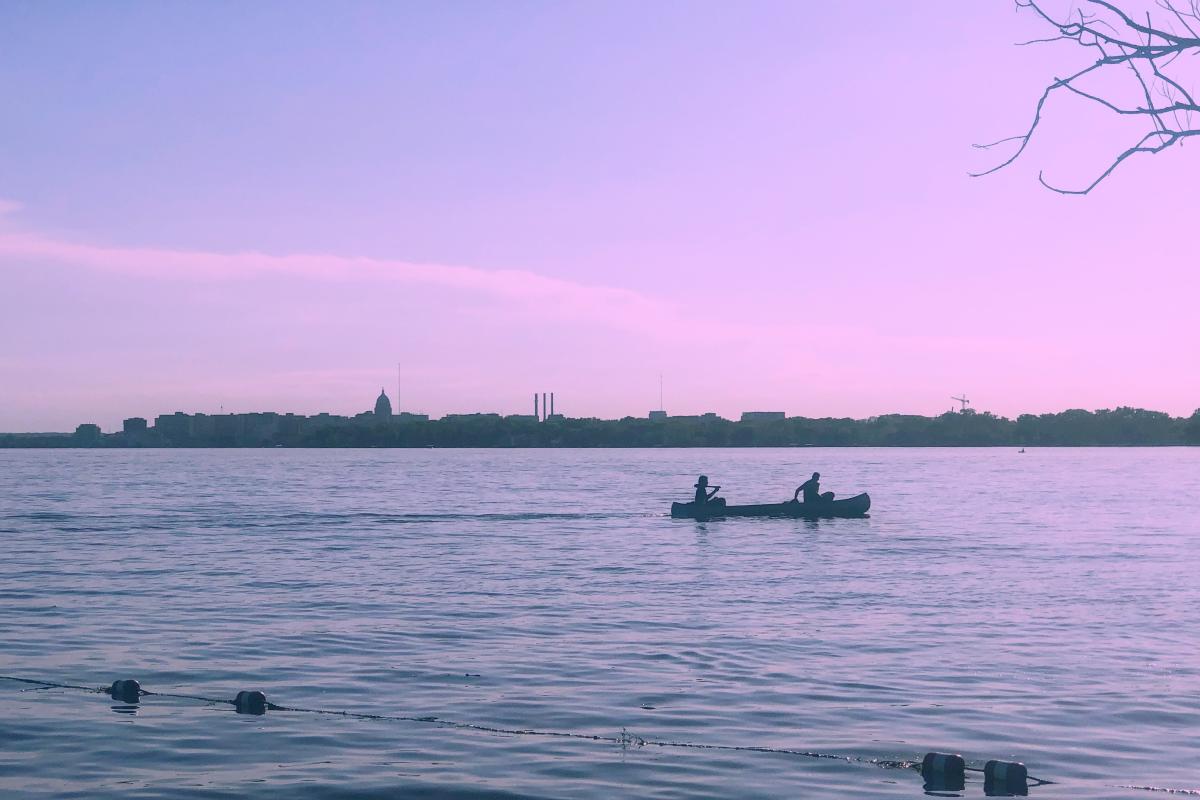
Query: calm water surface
1042, 607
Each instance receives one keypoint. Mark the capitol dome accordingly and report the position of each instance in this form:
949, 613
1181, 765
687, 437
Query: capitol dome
383, 406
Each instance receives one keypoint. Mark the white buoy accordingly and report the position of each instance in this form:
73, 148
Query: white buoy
944, 772
1005, 778
127, 691
250, 703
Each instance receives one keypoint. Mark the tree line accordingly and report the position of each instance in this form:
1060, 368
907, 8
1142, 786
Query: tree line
1076, 427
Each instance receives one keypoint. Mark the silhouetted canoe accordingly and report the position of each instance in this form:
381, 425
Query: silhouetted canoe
856, 506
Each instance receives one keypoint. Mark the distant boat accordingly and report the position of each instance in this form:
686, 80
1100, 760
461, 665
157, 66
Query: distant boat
856, 506
1022, 450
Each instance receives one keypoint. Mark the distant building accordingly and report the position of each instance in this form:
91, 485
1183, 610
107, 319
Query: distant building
383, 406
694, 418
759, 416
290, 424
173, 427
259, 427
87, 430
324, 420
202, 426
134, 425
221, 429
659, 415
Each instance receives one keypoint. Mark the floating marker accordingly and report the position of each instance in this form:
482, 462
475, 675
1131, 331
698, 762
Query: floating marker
127, 691
943, 772
1005, 779
250, 703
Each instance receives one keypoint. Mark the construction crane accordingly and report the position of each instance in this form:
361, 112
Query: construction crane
965, 402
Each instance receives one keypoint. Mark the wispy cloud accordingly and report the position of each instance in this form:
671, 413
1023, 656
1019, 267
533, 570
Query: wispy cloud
517, 291
618, 306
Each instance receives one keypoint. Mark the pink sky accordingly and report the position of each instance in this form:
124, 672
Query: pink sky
768, 204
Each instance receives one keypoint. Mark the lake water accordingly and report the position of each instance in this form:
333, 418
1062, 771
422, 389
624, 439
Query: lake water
1042, 607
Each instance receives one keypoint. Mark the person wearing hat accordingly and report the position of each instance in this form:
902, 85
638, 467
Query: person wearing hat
703, 493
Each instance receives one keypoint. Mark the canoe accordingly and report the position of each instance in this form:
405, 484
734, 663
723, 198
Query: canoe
856, 506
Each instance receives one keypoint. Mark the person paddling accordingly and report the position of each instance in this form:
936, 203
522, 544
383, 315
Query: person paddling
703, 493
812, 490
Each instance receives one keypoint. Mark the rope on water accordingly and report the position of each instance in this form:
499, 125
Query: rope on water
624, 740
51, 685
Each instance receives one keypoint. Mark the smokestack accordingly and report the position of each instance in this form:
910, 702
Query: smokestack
552, 404
544, 406
535, 406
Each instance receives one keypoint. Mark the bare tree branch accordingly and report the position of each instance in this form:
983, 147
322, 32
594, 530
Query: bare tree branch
1037, 118
1179, 16
1147, 51
1140, 147
1147, 29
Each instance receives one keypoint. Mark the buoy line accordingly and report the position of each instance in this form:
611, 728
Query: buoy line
940, 770
625, 739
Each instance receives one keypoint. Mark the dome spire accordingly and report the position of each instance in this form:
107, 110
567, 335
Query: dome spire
383, 406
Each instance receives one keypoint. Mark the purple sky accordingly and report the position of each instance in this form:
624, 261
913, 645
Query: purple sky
267, 206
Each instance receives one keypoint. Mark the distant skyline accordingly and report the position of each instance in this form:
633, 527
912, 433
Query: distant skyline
266, 207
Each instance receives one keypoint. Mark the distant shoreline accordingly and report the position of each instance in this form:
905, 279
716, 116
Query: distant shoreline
1121, 427
1186, 446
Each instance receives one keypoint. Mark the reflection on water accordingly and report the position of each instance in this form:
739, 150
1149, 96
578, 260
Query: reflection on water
1058, 630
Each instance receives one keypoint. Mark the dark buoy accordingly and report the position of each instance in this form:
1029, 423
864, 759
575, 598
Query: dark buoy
127, 691
1005, 779
250, 703
944, 772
